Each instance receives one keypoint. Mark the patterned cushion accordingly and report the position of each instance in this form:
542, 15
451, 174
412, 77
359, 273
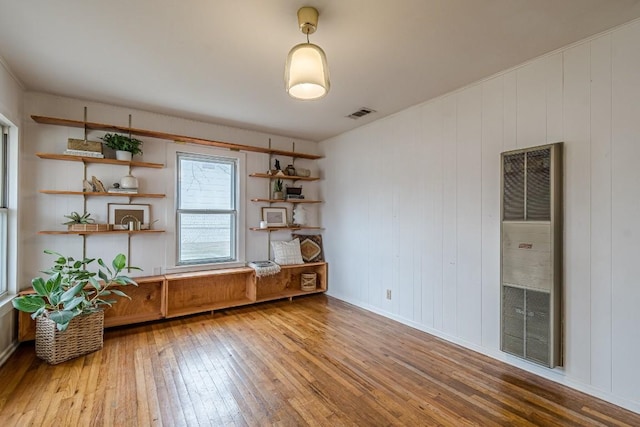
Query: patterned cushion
310, 246
286, 253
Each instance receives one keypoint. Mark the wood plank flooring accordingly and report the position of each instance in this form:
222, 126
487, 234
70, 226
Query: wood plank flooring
313, 361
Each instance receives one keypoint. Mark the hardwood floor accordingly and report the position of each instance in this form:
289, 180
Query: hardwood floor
316, 361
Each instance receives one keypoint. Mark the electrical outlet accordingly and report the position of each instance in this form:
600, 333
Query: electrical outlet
388, 293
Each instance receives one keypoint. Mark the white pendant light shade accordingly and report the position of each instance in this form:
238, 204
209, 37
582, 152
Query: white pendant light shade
306, 73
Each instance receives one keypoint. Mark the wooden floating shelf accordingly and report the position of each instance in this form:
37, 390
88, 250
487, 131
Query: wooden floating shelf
284, 228
290, 178
97, 193
286, 200
70, 158
100, 232
168, 136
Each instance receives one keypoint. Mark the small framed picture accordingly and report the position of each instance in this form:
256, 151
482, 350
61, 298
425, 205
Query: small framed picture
275, 217
121, 214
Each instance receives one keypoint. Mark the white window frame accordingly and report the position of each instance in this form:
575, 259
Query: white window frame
171, 250
9, 218
4, 209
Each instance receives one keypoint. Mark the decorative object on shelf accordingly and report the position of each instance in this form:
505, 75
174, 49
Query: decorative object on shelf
274, 217
308, 281
299, 215
68, 306
122, 144
148, 225
263, 224
85, 146
310, 246
276, 164
293, 191
290, 170
76, 218
79, 222
90, 227
303, 172
264, 268
287, 253
122, 215
306, 74
97, 185
277, 190
81, 153
128, 182
87, 187
117, 189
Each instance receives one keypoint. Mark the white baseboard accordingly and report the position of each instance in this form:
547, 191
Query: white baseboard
4, 356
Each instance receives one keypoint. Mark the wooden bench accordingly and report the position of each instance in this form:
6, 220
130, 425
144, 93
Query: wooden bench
180, 294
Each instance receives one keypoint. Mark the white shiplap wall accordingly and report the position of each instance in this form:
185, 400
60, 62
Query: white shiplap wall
412, 205
153, 253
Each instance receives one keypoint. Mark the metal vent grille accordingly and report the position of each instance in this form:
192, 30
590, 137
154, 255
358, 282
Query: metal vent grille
538, 185
531, 254
513, 320
361, 112
513, 195
537, 326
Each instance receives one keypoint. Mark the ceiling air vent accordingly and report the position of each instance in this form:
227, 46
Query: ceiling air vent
361, 113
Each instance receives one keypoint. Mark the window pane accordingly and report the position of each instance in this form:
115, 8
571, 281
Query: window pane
205, 237
4, 232
206, 184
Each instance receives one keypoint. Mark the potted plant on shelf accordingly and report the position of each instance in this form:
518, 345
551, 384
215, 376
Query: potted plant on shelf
125, 146
78, 222
68, 306
83, 222
277, 190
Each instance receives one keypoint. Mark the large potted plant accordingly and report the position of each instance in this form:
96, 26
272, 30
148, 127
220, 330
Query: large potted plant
68, 305
125, 146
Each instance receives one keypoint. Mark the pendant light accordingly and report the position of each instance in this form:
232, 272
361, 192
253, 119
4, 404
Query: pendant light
306, 74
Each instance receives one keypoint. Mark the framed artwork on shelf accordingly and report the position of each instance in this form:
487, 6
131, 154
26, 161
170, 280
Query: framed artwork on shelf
275, 217
121, 214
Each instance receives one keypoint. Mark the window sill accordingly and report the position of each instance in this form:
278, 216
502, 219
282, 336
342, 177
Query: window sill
202, 267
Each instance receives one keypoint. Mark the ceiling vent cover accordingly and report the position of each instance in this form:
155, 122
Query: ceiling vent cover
361, 113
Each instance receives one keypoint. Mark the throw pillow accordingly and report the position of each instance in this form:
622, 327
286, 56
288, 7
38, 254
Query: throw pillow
310, 246
286, 253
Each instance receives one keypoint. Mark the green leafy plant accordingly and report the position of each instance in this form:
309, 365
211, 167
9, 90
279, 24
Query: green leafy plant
76, 218
71, 290
277, 186
122, 143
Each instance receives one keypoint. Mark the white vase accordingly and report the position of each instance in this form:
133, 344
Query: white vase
129, 182
123, 155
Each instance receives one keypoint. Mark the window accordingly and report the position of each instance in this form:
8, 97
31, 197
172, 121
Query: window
207, 213
4, 202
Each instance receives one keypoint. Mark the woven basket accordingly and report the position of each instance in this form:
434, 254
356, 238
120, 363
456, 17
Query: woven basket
308, 281
84, 335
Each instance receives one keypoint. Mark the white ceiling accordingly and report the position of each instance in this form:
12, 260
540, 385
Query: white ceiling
222, 61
